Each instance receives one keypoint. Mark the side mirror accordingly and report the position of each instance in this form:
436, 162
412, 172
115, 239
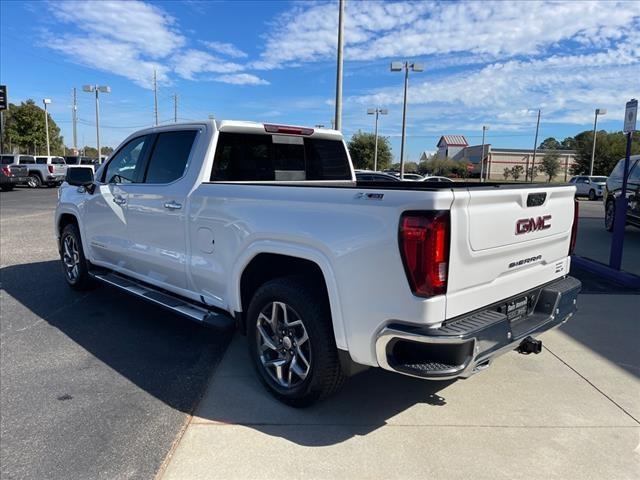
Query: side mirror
79, 176
587, 181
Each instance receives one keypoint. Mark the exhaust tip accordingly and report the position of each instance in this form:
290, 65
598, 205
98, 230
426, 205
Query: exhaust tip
530, 345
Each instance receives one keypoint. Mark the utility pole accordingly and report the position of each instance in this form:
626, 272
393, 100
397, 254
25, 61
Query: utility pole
484, 129
155, 96
377, 111
599, 111
535, 149
338, 115
74, 121
175, 108
46, 102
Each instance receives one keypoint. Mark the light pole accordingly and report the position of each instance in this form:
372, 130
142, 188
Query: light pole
97, 89
46, 101
376, 111
484, 129
599, 111
398, 67
338, 113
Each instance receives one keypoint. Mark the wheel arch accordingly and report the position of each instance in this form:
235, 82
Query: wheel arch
263, 262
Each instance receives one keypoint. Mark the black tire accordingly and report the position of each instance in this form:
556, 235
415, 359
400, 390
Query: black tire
81, 280
34, 181
324, 375
592, 195
609, 215
7, 188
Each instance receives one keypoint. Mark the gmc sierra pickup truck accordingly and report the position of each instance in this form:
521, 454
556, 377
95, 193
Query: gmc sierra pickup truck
264, 228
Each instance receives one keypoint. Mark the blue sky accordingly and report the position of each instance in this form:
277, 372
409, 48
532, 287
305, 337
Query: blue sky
492, 63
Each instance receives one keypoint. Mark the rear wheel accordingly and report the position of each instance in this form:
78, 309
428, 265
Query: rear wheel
609, 214
291, 342
74, 263
592, 195
34, 181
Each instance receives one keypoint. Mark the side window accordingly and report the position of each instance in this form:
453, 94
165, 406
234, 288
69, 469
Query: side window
41, 160
634, 176
6, 159
170, 155
241, 157
57, 161
27, 160
124, 165
617, 171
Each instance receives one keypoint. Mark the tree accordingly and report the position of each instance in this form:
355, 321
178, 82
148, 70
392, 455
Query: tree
362, 147
517, 171
550, 165
550, 144
506, 173
610, 147
25, 129
532, 172
461, 168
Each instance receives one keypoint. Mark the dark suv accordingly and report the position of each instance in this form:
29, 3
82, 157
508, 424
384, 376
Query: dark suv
613, 189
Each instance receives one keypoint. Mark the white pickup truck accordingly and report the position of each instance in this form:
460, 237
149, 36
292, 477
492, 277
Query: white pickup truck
264, 228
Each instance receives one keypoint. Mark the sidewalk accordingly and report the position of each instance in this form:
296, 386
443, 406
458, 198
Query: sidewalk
571, 412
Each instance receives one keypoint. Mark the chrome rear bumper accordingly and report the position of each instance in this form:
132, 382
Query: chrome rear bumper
467, 344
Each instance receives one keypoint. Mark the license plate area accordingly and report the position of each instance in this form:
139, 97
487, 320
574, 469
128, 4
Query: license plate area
518, 308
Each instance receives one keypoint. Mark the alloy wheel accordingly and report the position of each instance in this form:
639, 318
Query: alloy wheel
70, 258
283, 344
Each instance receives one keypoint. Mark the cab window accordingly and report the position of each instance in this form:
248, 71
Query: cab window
124, 166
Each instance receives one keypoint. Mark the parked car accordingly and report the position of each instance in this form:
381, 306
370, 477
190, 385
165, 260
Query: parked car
436, 179
589, 186
372, 176
38, 173
58, 162
73, 161
613, 189
12, 174
263, 228
412, 177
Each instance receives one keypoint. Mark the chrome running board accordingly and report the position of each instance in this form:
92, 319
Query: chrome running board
191, 310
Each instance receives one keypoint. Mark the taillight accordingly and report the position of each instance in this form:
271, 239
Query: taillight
286, 129
574, 227
424, 247
50, 167
6, 171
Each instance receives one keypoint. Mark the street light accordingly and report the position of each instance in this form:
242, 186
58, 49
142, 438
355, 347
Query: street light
397, 67
46, 101
97, 89
484, 129
376, 112
599, 111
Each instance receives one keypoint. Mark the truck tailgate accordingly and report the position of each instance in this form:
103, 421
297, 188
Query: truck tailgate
506, 240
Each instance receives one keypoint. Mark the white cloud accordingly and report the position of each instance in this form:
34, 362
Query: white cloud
192, 62
143, 26
494, 29
134, 38
227, 49
241, 79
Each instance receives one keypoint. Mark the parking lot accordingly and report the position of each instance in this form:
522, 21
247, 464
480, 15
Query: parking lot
101, 385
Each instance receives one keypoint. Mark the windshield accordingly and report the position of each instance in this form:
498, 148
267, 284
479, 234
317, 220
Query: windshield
599, 179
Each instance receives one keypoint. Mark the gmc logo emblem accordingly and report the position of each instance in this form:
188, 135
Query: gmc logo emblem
526, 225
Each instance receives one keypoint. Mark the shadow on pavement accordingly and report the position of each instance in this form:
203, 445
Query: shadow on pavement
164, 354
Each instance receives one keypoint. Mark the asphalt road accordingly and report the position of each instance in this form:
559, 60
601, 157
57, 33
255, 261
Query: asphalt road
94, 385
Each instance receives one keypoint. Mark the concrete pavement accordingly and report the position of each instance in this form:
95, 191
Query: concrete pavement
571, 412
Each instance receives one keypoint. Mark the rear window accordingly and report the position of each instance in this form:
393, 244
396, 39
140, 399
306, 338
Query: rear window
7, 159
257, 157
57, 161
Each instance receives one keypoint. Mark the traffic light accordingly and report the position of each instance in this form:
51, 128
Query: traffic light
3, 97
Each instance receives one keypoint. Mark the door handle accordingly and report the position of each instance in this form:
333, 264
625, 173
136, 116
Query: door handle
172, 205
118, 200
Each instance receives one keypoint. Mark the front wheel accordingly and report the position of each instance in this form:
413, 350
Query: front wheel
609, 215
74, 263
592, 195
291, 342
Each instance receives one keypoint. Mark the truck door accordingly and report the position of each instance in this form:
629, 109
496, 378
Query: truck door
104, 219
157, 211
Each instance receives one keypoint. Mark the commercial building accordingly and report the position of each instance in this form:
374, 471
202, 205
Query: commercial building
496, 160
